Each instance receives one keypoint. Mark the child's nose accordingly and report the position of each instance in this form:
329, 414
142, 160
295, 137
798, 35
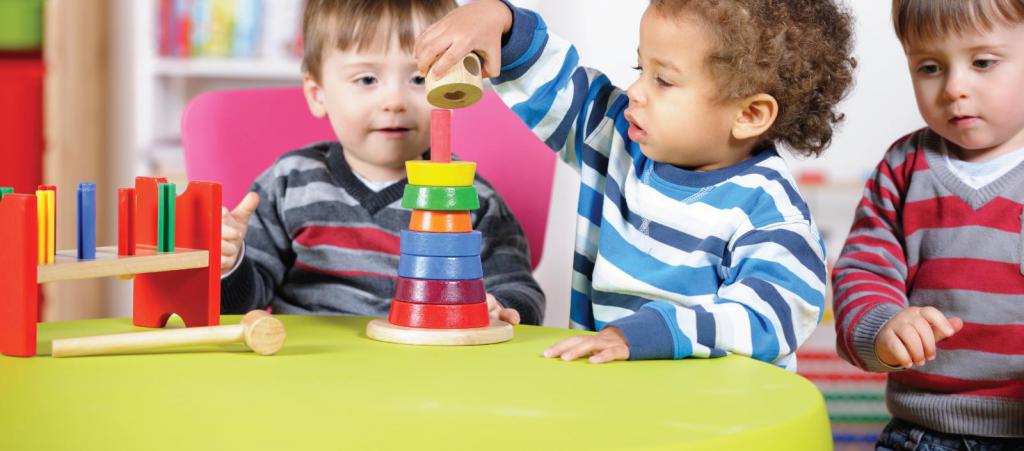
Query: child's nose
956, 86
635, 93
394, 100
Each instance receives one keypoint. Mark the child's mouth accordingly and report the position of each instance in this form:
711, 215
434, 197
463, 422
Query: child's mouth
964, 121
393, 132
636, 133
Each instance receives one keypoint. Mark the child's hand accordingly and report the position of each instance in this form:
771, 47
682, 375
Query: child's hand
494, 308
232, 230
910, 337
477, 27
607, 345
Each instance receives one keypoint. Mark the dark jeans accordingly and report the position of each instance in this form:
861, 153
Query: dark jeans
901, 435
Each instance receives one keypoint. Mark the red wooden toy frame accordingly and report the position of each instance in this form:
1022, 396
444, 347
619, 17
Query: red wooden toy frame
192, 294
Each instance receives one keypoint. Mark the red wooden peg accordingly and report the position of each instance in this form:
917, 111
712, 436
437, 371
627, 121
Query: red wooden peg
441, 136
126, 221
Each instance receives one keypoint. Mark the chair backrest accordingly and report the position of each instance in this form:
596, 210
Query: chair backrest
232, 136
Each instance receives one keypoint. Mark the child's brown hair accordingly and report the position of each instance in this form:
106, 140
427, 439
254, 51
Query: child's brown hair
797, 51
918, 21
347, 24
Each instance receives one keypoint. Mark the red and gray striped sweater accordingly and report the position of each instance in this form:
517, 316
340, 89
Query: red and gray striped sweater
921, 237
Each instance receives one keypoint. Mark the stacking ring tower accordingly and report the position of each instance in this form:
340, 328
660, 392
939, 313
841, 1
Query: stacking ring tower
440, 297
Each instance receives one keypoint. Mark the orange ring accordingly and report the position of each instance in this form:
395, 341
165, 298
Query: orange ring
440, 221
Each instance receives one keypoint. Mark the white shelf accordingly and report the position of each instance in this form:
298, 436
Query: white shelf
230, 68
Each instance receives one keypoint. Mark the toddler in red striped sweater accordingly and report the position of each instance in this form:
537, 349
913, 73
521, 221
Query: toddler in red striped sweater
929, 286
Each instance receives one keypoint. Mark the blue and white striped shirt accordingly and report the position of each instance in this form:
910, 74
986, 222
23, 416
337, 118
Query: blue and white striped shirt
685, 263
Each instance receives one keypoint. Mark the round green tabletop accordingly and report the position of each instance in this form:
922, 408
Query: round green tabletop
331, 387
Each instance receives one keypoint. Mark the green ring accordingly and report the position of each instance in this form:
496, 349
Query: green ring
444, 198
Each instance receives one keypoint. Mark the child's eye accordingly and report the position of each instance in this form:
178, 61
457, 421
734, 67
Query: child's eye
419, 80
367, 80
983, 63
928, 69
662, 82
638, 67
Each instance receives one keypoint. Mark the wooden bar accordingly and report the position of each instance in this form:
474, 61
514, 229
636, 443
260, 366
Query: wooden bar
107, 263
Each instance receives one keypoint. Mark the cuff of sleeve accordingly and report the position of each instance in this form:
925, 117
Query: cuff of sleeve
237, 287
865, 333
520, 37
647, 335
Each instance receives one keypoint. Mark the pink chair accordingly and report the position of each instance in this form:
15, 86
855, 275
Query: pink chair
232, 136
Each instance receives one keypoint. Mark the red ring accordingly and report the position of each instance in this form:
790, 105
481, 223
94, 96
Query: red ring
439, 316
428, 291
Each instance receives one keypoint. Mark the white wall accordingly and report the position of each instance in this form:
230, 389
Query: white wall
879, 110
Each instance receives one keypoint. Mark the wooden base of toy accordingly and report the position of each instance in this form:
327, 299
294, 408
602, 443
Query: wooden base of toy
496, 332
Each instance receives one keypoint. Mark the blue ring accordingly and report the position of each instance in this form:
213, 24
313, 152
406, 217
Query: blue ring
440, 268
440, 244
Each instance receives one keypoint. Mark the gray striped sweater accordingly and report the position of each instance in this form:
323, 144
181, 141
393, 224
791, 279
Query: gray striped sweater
321, 242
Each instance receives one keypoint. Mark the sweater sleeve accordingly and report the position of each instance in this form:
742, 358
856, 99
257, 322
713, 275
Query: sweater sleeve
268, 251
574, 110
770, 301
870, 277
505, 256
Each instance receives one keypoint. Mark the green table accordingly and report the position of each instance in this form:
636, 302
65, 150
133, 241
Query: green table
333, 388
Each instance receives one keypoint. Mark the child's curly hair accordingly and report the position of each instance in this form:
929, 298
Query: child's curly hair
797, 51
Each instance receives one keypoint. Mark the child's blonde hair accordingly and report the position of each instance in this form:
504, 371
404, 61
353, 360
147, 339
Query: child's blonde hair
918, 21
347, 24
797, 51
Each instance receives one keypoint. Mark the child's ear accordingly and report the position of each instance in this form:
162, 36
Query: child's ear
314, 96
756, 115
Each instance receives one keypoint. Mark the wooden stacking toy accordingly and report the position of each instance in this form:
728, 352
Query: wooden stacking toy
440, 297
460, 87
169, 243
261, 332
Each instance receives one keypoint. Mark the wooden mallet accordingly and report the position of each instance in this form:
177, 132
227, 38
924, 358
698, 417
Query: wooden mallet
261, 332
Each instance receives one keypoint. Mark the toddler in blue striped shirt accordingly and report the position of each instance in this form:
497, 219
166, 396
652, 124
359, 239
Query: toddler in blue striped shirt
692, 239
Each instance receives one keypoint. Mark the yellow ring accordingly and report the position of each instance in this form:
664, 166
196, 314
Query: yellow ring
429, 173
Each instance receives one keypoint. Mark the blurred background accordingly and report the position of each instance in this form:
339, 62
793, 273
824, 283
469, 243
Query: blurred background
93, 90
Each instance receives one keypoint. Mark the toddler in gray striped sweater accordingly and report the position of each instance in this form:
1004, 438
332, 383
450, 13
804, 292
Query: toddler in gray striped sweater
319, 234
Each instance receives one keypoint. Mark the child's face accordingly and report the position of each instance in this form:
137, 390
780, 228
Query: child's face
970, 89
376, 103
673, 113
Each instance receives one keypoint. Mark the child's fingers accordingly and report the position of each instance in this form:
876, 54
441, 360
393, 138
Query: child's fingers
610, 354
924, 331
585, 347
491, 62
892, 346
938, 322
246, 208
230, 233
448, 60
957, 324
228, 254
509, 315
912, 342
558, 348
429, 47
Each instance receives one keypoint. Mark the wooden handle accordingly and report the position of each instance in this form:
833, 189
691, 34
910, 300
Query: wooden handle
120, 343
261, 332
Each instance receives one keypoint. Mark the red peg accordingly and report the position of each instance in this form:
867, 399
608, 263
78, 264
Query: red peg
441, 136
126, 221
